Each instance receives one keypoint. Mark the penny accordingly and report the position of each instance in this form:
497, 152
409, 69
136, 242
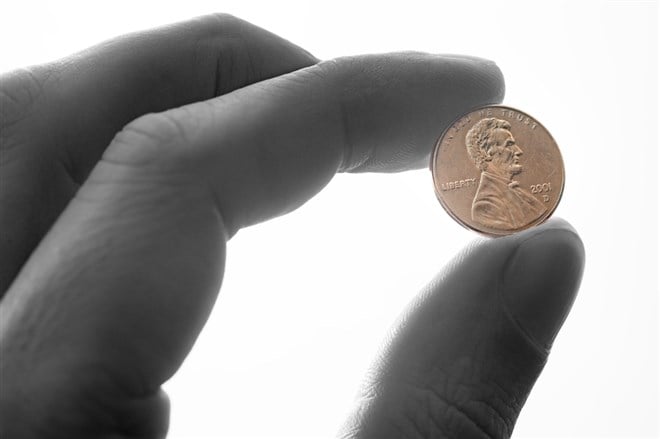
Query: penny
497, 170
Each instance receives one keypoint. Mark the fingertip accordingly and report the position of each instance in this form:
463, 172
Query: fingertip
409, 99
489, 85
476, 339
148, 416
541, 279
558, 223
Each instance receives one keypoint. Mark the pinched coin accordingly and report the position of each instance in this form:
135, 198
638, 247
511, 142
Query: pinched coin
497, 170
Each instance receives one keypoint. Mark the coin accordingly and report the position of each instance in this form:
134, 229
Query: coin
497, 170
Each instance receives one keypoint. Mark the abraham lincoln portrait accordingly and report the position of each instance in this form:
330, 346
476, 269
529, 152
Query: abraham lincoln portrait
500, 203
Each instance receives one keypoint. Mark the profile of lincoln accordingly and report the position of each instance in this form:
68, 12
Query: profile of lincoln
500, 202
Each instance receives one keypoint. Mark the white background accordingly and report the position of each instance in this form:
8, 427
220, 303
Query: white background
308, 297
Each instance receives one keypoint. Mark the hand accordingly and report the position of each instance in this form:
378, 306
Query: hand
113, 240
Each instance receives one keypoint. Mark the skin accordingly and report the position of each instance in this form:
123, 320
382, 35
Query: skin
127, 167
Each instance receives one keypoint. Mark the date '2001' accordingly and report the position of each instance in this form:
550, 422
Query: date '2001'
542, 189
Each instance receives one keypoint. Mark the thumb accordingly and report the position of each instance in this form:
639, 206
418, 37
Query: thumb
463, 359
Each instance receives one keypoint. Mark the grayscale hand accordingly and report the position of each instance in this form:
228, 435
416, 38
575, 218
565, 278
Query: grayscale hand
127, 167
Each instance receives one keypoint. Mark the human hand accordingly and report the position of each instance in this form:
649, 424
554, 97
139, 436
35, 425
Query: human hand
117, 288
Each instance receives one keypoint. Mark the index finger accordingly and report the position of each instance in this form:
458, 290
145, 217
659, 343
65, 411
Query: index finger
57, 119
143, 241
265, 149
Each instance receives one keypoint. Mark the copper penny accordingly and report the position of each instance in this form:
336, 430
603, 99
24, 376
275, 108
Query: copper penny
497, 170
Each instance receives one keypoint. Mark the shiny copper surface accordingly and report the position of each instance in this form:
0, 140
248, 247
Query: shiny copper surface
497, 170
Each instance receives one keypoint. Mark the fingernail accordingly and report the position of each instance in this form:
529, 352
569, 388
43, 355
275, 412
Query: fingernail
541, 281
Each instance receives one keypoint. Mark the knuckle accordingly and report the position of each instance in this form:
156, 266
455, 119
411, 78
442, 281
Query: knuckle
225, 20
151, 140
213, 24
221, 26
336, 73
228, 43
445, 408
456, 409
331, 68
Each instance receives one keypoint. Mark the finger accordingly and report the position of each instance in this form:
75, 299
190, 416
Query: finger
143, 241
464, 357
266, 149
147, 417
79, 103
57, 119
